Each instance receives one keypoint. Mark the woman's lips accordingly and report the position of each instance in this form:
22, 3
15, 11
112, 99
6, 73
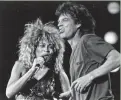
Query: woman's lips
46, 57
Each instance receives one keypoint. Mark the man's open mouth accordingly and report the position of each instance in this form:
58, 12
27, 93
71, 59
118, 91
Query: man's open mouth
61, 30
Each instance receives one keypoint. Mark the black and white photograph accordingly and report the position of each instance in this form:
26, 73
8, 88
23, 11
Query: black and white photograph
60, 50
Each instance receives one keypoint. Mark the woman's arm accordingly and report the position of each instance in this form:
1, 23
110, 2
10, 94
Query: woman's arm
65, 84
41, 73
15, 83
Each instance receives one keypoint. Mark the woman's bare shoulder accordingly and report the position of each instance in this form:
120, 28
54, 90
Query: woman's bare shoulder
18, 66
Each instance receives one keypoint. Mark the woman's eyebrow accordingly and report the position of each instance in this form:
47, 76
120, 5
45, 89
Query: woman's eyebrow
50, 44
41, 43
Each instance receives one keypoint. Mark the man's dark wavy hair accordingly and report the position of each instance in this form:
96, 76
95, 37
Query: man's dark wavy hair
79, 13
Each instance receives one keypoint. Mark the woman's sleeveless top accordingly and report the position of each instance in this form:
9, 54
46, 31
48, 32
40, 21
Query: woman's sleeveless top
45, 89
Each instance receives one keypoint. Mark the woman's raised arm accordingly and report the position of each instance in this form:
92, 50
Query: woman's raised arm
16, 82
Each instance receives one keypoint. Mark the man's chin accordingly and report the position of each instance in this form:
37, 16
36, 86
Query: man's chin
62, 35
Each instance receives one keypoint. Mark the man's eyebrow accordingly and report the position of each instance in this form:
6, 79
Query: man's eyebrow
62, 19
58, 21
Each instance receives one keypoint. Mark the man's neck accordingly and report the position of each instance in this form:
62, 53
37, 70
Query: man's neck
73, 41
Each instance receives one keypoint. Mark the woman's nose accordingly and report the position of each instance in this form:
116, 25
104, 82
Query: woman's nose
46, 49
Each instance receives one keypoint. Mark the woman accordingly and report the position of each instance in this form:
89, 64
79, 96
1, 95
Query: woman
38, 72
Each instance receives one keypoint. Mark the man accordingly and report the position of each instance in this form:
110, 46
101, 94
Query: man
92, 59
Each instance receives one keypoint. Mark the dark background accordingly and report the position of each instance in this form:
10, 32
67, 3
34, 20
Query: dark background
13, 16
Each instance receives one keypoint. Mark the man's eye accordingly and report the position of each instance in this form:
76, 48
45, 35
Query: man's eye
65, 19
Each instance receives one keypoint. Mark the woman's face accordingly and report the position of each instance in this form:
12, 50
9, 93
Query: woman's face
45, 50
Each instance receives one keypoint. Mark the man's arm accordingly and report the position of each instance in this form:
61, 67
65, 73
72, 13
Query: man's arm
112, 62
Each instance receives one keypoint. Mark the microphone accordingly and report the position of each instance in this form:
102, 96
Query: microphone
40, 62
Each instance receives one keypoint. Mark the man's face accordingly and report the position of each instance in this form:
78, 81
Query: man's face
67, 26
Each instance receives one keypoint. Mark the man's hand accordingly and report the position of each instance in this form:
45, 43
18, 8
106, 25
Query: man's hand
82, 83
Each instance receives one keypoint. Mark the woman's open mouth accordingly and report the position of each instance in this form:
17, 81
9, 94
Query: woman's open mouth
46, 57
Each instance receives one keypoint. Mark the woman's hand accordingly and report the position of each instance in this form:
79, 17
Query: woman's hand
40, 73
39, 68
38, 63
66, 95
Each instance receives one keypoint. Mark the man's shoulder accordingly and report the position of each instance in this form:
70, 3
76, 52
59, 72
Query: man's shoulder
87, 37
91, 37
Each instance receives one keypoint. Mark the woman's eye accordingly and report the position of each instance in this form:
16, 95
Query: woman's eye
51, 46
41, 45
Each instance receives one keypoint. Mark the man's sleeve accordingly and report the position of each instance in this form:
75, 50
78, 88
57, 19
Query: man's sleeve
98, 49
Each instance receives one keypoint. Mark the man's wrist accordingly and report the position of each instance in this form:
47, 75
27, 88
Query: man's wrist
91, 77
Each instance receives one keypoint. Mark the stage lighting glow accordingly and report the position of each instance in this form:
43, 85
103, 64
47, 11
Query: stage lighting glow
115, 70
111, 37
113, 7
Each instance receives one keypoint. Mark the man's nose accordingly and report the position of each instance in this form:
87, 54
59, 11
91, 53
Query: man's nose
59, 24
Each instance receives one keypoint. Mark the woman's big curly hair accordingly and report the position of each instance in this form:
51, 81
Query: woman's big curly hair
34, 32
